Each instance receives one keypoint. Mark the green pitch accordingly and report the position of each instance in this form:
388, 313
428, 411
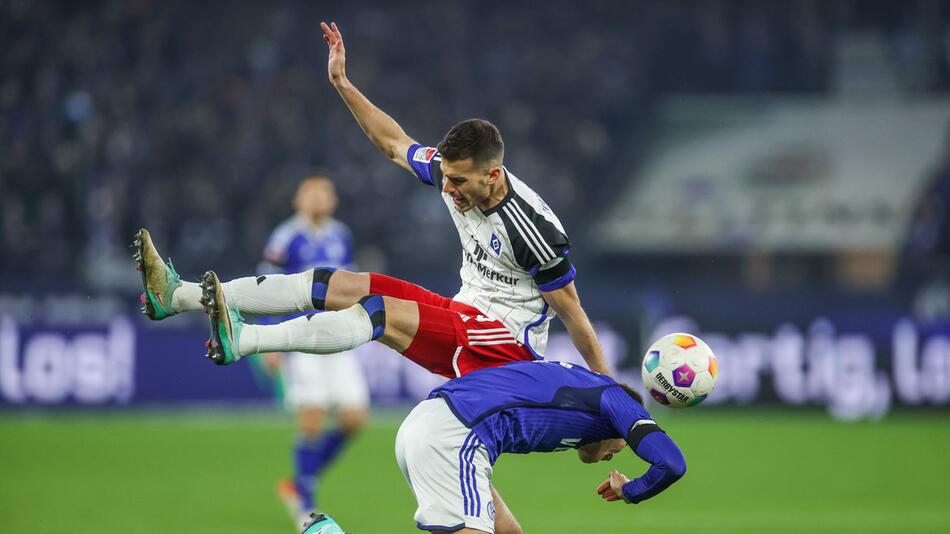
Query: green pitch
215, 472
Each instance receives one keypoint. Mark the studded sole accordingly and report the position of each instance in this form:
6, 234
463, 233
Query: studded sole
212, 307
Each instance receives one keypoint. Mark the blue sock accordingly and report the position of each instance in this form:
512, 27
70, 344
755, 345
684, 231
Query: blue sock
375, 307
331, 443
305, 470
312, 457
321, 283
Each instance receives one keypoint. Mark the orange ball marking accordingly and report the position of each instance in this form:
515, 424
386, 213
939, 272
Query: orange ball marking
684, 342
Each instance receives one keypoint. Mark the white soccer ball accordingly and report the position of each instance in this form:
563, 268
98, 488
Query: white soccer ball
679, 370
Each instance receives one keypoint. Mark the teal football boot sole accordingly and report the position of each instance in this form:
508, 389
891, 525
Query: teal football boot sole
322, 524
226, 322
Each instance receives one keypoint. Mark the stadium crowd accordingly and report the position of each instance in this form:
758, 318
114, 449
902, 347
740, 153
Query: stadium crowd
197, 119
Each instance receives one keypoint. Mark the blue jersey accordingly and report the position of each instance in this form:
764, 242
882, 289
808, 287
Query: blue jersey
297, 245
539, 406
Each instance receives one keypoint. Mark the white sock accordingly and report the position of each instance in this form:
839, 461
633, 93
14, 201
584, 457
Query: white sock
321, 333
187, 297
275, 294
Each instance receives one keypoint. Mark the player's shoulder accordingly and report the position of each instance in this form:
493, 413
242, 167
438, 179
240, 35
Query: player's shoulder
337, 226
531, 210
285, 231
529, 198
279, 243
536, 234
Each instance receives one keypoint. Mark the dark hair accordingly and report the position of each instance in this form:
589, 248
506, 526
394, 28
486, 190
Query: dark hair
473, 138
633, 393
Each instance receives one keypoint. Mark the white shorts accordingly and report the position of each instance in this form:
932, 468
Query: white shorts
323, 381
447, 468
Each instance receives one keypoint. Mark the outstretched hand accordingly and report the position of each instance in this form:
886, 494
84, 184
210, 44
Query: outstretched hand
336, 63
612, 489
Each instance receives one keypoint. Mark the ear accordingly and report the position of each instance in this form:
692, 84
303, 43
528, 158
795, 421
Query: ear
494, 174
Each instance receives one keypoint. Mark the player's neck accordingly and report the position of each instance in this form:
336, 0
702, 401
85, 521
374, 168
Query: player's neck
314, 222
498, 193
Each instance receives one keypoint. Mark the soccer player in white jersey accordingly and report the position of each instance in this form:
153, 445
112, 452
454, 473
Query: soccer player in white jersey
312, 237
515, 264
516, 272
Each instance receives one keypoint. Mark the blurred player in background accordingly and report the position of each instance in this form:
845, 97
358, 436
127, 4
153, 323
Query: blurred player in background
313, 386
448, 444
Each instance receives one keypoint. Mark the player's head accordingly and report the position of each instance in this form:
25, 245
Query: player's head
315, 198
603, 451
600, 451
472, 154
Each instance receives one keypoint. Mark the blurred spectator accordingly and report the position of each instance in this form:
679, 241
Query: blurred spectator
195, 119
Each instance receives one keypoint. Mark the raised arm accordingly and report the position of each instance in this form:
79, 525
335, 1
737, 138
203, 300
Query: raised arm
380, 127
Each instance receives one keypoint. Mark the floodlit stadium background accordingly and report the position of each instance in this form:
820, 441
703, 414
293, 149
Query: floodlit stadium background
772, 176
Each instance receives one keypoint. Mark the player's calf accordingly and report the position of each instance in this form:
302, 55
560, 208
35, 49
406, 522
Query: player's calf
337, 289
317, 333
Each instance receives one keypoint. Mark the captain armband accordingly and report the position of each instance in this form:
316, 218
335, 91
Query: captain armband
639, 430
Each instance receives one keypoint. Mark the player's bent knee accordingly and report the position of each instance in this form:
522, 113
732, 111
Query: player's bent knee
310, 422
308, 433
375, 308
401, 323
352, 421
321, 284
344, 288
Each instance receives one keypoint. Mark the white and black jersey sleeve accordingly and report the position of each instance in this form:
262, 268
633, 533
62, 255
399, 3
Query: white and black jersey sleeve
539, 246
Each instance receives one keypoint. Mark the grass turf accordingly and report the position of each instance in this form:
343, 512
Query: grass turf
752, 471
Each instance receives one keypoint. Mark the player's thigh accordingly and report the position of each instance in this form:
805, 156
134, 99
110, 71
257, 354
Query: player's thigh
488, 343
388, 286
448, 469
436, 344
347, 288
505, 522
409, 430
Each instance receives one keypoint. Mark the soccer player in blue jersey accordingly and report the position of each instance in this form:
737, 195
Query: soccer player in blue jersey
447, 445
313, 237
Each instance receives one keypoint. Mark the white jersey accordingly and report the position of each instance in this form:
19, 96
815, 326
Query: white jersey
510, 254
